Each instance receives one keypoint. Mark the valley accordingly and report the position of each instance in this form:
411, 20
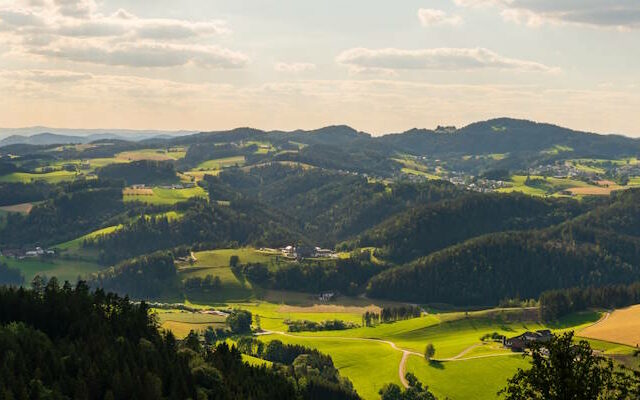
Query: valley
366, 249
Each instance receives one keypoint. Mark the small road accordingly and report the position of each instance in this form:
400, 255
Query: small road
402, 367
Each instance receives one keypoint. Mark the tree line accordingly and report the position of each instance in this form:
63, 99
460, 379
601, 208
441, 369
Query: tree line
557, 303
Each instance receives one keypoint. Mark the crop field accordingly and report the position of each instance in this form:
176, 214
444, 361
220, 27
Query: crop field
49, 177
63, 269
182, 322
553, 186
24, 208
152, 154
162, 196
221, 163
622, 326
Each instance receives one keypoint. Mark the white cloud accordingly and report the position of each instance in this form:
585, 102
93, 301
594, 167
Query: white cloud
390, 59
74, 30
620, 14
431, 17
294, 67
148, 54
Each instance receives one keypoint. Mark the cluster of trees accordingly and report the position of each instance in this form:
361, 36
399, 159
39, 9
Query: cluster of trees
390, 314
80, 208
207, 284
312, 326
145, 277
564, 369
348, 276
10, 276
557, 303
18, 193
314, 372
415, 391
143, 171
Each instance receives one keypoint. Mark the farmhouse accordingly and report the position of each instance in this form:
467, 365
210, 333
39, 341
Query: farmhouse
327, 296
524, 341
301, 252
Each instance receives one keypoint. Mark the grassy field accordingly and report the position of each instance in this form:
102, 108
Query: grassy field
50, 177
162, 196
369, 365
152, 154
221, 163
216, 263
63, 269
553, 186
182, 322
477, 379
363, 357
622, 326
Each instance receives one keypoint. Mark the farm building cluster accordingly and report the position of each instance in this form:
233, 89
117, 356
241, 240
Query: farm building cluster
527, 339
301, 252
21, 254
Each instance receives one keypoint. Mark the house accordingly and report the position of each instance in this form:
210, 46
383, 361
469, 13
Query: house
524, 341
327, 296
319, 252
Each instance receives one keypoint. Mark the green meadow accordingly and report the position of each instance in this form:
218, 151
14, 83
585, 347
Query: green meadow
49, 177
221, 163
478, 379
63, 269
162, 196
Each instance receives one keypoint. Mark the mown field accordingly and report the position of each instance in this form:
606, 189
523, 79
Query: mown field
162, 196
50, 177
221, 163
622, 326
63, 269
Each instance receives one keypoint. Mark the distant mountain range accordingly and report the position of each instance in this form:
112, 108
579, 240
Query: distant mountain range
40, 135
519, 138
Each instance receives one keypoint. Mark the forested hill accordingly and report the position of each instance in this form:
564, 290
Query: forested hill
599, 248
64, 342
426, 228
505, 135
326, 206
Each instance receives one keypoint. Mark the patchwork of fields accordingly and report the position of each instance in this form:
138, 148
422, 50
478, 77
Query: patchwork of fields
372, 356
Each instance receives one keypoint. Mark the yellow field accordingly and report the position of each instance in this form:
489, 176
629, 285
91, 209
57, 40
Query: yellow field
137, 192
622, 326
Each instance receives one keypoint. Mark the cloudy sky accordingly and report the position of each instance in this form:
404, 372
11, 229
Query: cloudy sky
377, 65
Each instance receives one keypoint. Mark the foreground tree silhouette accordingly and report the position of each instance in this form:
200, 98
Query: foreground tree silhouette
570, 371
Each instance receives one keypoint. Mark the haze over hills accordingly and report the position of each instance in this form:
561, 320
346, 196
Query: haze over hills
500, 135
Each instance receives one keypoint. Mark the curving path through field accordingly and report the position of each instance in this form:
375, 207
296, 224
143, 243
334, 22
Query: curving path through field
405, 353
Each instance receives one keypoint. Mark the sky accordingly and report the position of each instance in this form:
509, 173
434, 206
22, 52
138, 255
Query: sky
378, 66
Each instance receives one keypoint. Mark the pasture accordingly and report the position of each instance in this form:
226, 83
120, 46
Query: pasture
182, 322
621, 326
371, 356
152, 154
221, 163
216, 263
478, 379
63, 269
162, 196
49, 177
